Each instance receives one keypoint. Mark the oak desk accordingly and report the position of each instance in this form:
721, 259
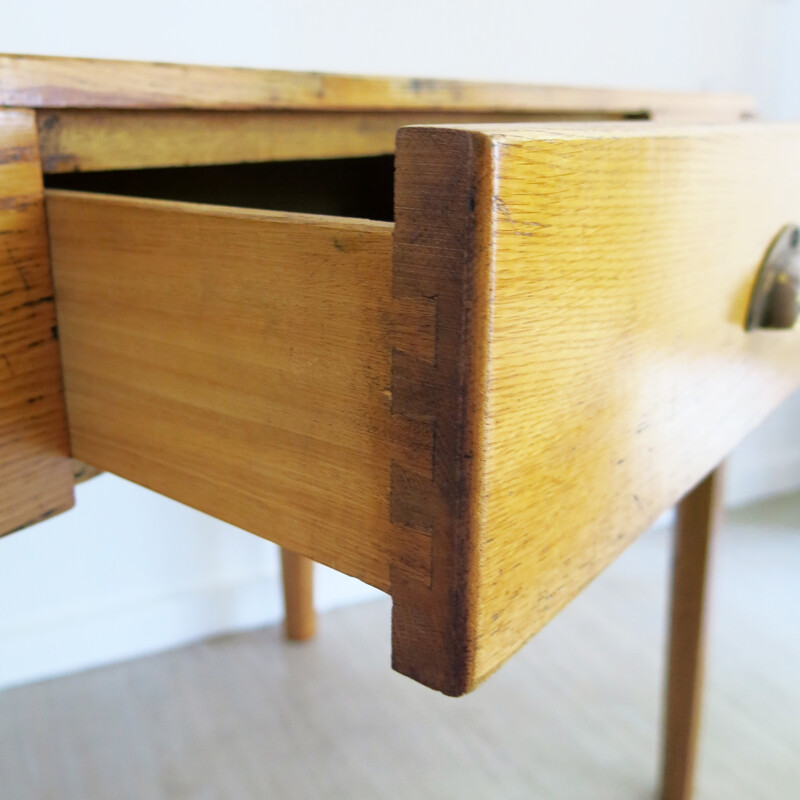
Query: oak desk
472, 396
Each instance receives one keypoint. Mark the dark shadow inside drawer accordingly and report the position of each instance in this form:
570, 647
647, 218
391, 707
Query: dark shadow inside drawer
344, 187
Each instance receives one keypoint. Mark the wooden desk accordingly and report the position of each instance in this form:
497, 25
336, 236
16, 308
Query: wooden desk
472, 397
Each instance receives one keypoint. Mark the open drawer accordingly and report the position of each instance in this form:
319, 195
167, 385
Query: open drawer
474, 408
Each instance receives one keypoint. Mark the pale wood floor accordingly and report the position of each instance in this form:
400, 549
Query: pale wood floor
572, 717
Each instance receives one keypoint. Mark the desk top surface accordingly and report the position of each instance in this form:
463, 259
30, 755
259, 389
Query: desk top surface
54, 82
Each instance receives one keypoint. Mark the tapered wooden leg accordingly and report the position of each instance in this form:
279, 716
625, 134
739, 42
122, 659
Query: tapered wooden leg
698, 519
298, 595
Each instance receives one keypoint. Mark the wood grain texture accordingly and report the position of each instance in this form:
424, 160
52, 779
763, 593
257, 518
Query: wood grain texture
35, 470
46, 82
594, 366
87, 139
699, 518
238, 361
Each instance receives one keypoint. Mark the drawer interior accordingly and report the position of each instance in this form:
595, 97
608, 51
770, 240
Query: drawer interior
342, 187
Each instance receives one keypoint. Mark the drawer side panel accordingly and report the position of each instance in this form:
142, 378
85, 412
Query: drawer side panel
238, 361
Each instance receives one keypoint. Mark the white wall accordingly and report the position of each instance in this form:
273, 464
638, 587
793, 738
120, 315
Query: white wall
129, 572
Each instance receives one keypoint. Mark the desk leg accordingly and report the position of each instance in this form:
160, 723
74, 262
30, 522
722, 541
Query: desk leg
698, 519
298, 595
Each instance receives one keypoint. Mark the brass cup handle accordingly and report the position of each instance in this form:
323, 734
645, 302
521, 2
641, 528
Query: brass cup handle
775, 302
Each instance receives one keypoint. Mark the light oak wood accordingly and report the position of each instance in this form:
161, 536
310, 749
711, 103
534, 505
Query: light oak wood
107, 139
35, 472
47, 82
238, 361
699, 517
298, 596
591, 285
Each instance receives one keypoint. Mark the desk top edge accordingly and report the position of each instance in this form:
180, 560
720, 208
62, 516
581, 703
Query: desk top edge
57, 82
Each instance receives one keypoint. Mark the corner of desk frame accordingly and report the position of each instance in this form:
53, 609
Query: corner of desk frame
36, 474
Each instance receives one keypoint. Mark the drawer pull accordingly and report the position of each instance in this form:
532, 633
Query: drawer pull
775, 302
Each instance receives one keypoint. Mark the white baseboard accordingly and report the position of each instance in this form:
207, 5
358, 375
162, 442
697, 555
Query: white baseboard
771, 473
109, 635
